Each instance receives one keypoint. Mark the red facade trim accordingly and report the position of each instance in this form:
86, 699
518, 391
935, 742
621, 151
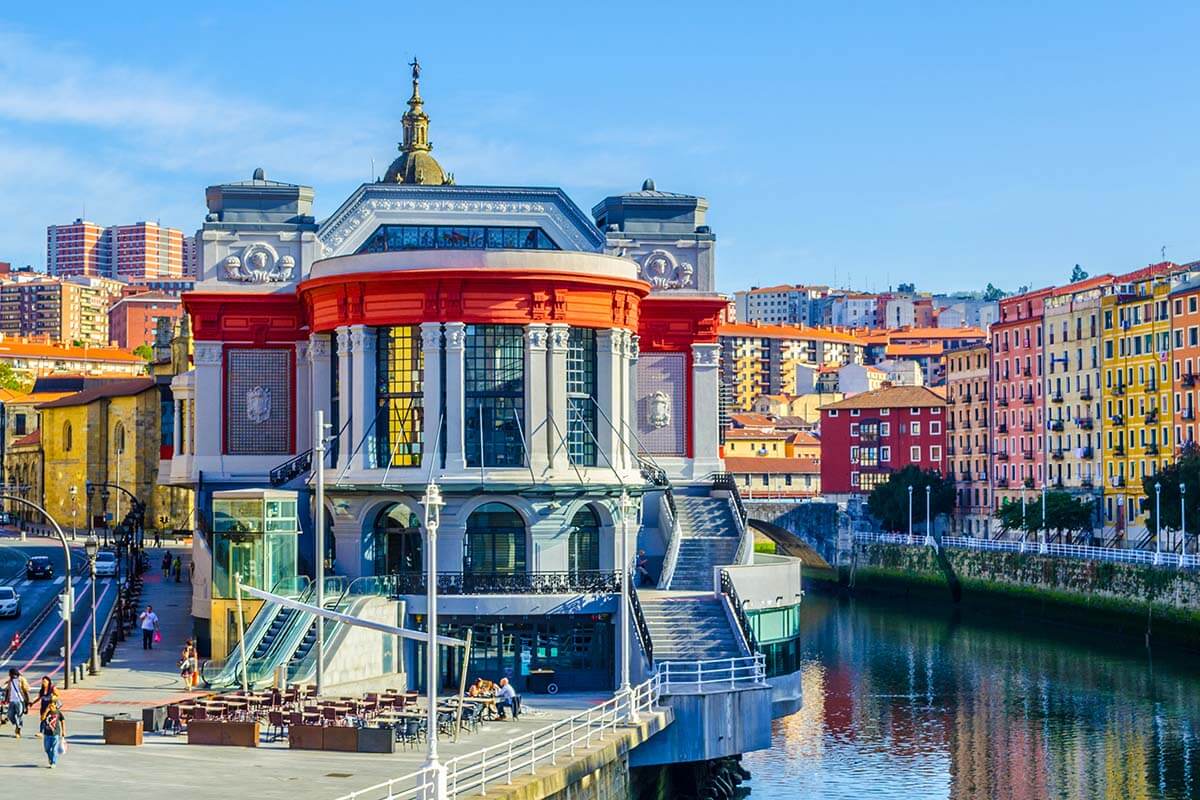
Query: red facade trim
254, 318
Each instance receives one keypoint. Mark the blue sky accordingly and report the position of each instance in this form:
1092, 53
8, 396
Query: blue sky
950, 144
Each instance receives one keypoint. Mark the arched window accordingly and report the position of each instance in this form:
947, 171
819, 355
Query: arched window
584, 543
119, 438
495, 541
396, 541
67, 437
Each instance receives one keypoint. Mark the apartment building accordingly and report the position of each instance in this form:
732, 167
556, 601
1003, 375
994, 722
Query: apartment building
141, 251
1018, 458
1071, 332
1185, 354
764, 359
1136, 439
968, 422
132, 320
56, 309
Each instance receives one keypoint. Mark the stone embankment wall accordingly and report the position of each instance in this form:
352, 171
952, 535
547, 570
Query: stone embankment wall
1110, 595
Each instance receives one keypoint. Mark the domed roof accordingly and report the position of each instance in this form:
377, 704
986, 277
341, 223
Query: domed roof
415, 165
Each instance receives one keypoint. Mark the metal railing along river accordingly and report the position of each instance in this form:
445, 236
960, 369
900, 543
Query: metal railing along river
1114, 554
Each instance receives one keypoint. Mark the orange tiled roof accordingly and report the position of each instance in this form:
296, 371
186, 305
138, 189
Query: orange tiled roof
1084, 285
925, 349
28, 439
965, 332
786, 332
10, 348
743, 433
751, 420
892, 397
117, 387
773, 465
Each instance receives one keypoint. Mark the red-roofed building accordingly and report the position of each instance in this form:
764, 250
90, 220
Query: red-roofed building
867, 437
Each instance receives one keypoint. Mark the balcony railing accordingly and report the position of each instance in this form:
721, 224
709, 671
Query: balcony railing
1188, 380
1027, 426
1001, 456
1002, 483
469, 583
1118, 390
1152, 449
1086, 483
1152, 416
1027, 455
1056, 425
1188, 414
1027, 399
1152, 385
1057, 454
1002, 427
1056, 397
1118, 420
1086, 452
1119, 451
1029, 483
1002, 402
1087, 423
1085, 393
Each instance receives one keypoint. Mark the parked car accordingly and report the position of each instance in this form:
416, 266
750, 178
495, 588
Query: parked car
10, 602
39, 567
107, 565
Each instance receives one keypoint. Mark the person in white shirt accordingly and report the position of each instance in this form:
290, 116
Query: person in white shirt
16, 699
507, 698
149, 623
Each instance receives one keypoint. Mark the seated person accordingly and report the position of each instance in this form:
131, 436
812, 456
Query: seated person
508, 698
476, 688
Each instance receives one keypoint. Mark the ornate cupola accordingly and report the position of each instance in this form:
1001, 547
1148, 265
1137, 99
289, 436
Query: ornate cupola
416, 165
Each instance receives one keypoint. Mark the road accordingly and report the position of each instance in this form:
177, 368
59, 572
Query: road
40, 652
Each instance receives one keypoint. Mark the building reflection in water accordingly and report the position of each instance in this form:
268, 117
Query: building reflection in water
914, 705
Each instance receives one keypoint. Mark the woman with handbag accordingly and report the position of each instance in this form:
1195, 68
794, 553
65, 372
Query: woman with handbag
16, 699
188, 668
54, 731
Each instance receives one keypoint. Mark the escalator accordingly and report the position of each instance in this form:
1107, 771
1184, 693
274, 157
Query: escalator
268, 625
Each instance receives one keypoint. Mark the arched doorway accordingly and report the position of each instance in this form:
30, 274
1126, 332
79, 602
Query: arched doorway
396, 540
583, 545
495, 541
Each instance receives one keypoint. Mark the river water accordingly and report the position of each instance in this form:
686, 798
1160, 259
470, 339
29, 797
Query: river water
909, 703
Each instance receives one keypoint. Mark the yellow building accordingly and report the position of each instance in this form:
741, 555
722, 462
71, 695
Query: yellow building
111, 434
803, 406
1136, 332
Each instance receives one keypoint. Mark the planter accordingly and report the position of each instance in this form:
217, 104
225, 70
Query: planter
224, 734
126, 732
305, 737
340, 739
376, 740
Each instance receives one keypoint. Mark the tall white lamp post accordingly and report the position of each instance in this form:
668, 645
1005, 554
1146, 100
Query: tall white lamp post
1042, 548
91, 547
433, 503
1158, 522
910, 488
1182, 523
626, 689
928, 527
318, 465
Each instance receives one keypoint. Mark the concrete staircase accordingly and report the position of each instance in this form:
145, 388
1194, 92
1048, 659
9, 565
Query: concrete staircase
689, 628
709, 538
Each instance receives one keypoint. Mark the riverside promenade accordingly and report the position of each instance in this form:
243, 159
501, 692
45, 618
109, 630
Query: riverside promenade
167, 766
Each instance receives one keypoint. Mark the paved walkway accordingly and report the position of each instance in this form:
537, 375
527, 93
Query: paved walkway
166, 766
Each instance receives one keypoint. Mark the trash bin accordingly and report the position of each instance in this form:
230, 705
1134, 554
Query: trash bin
541, 681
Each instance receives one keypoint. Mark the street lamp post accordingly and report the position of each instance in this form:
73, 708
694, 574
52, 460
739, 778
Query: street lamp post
626, 689
1182, 523
1158, 522
90, 547
74, 509
66, 595
910, 488
1042, 548
928, 527
433, 511
318, 463
1024, 531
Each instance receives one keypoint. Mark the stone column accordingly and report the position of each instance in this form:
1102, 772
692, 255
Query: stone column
706, 456
303, 421
431, 400
610, 379
539, 436
629, 411
556, 397
346, 395
456, 341
209, 390
362, 370
348, 547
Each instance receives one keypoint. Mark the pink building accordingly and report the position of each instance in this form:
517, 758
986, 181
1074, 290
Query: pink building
1018, 402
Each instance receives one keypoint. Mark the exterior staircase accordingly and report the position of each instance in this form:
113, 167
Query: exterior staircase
708, 538
690, 628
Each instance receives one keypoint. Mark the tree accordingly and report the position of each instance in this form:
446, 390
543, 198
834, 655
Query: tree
1064, 512
888, 502
9, 379
992, 294
144, 352
1185, 470
1078, 274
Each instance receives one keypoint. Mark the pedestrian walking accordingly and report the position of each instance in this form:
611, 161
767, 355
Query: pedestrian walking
166, 565
189, 671
149, 624
47, 694
54, 731
157, 537
16, 699
178, 568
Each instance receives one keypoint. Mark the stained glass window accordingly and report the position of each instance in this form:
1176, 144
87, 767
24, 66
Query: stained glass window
398, 394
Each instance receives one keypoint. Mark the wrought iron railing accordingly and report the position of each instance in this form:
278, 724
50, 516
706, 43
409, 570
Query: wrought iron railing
293, 468
639, 620
724, 481
465, 583
739, 613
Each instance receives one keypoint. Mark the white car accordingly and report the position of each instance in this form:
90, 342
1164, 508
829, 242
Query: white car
10, 602
106, 564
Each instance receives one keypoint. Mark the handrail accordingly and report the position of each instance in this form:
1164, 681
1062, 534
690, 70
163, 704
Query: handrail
472, 773
639, 619
300, 463
666, 510
725, 482
226, 669
1115, 554
711, 675
472, 583
739, 612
